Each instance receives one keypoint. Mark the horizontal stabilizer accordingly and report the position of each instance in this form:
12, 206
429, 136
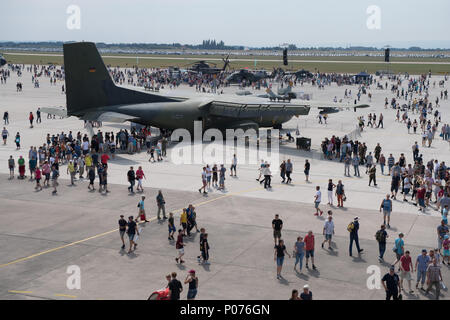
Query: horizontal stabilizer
108, 116
55, 111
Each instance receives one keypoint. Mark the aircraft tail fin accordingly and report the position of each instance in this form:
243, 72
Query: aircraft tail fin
89, 85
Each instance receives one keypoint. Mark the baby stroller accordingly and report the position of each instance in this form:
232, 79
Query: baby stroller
162, 294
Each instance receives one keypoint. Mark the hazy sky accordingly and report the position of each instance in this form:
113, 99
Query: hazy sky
242, 22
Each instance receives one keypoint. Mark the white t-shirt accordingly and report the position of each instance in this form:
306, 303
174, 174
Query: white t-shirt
319, 196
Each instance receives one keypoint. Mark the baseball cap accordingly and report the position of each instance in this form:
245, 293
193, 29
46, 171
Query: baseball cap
392, 268
191, 271
306, 286
356, 218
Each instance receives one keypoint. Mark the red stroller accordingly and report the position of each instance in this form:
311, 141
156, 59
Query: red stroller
162, 294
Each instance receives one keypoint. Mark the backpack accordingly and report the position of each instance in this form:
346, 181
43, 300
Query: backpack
350, 227
379, 236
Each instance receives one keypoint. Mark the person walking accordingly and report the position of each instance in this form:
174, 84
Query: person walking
353, 228
386, 206
381, 236
5, 135
331, 186
161, 203
122, 229
317, 200
391, 284
347, 163
175, 288
355, 162
204, 181
328, 231
11, 167
132, 231
91, 176
306, 170
340, 194
204, 248
283, 171
233, 165
306, 294
180, 247
406, 267
55, 175
140, 175
192, 281
309, 248
434, 278
277, 225
279, 254
289, 169
171, 225
422, 262
131, 176
38, 177
372, 175
399, 247
299, 252
141, 207
71, 171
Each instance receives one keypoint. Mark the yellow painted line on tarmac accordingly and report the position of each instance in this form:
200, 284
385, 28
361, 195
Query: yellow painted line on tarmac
115, 230
20, 292
65, 295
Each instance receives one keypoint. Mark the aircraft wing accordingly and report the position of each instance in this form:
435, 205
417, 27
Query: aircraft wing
253, 110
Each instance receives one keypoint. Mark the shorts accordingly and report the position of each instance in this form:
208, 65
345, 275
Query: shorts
181, 251
280, 261
446, 252
192, 293
4, 137
184, 225
277, 234
422, 203
405, 275
406, 191
122, 233
386, 213
394, 188
428, 194
306, 172
316, 204
233, 167
38, 180
208, 179
328, 236
310, 253
131, 236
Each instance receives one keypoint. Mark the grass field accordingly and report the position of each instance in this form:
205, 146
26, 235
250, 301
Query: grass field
154, 61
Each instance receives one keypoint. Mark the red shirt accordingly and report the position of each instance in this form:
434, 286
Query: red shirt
105, 158
38, 173
309, 242
421, 193
139, 174
406, 263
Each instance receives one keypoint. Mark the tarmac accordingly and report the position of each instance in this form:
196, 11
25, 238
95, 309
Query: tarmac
42, 235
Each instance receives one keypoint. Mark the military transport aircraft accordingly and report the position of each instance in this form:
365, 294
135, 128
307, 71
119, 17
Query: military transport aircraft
92, 95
